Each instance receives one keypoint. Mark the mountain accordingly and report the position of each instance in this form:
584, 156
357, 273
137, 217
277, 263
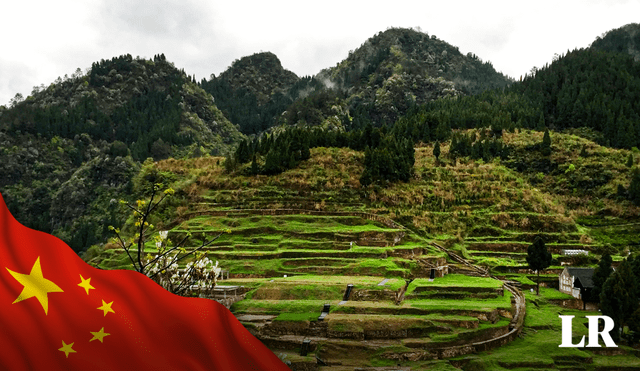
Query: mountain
261, 74
69, 151
149, 105
380, 80
625, 39
252, 91
592, 92
400, 51
589, 88
395, 70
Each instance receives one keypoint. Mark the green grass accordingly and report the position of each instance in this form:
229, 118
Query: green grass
297, 317
523, 279
501, 302
359, 282
534, 348
298, 224
297, 291
455, 280
548, 293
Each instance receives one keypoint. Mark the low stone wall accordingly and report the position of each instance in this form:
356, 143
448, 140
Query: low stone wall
285, 329
372, 295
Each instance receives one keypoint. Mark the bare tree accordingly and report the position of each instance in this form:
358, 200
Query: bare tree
199, 276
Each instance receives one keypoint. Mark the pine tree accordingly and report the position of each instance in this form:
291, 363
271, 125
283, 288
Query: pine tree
230, 163
436, 150
538, 258
630, 160
272, 162
619, 297
600, 275
254, 166
546, 143
541, 124
634, 187
305, 152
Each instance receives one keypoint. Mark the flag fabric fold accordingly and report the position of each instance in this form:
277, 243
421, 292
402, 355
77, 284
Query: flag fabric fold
59, 313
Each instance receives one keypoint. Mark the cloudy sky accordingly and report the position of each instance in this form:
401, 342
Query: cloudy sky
42, 40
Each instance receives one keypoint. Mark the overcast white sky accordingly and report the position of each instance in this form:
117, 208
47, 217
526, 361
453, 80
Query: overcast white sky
41, 40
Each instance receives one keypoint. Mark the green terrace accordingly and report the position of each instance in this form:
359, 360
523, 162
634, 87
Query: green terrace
283, 311
291, 244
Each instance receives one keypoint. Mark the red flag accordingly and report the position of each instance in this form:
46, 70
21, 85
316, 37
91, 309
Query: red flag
59, 313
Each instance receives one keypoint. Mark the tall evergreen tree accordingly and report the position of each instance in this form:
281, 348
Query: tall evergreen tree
600, 275
619, 297
634, 187
436, 150
541, 124
538, 258
254, 166
546, 143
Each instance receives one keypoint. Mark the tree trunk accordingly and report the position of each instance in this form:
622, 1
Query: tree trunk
538, 283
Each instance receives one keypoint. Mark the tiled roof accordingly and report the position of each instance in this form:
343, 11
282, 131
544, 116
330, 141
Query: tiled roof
585, 275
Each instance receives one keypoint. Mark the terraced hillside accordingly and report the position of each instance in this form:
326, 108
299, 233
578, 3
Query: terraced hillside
319, 227
433, 320
274, 242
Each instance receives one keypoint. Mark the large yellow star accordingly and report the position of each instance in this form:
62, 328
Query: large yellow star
106, 307
35, 285
86, 284
98, 335
66, 348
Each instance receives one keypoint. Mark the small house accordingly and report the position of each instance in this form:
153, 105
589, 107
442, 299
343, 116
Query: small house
576, 282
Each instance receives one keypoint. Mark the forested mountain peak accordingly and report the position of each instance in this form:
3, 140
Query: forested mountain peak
261, 73
398, 51
138, 102
68, 151
252, 91
625, 39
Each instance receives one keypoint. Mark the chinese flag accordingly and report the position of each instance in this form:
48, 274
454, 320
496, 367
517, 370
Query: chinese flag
59, 313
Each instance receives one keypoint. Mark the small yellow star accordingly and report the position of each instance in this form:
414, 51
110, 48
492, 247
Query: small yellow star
66, 348
98, 335
35, 285
106, 307
86, 284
